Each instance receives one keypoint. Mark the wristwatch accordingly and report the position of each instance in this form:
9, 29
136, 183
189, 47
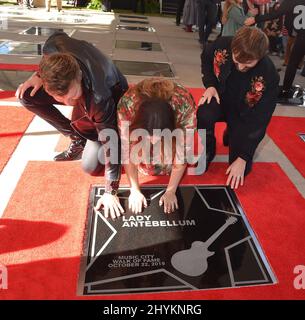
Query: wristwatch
112, 187
112, 192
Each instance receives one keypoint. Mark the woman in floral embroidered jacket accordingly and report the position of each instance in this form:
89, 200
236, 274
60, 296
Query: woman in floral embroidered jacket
153, 105
241, 89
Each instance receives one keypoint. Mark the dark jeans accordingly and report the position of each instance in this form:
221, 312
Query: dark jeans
207, 116
207, 14
219, 16
297, 54
303, 71
179, 12
135, 6
275, 44
42, 105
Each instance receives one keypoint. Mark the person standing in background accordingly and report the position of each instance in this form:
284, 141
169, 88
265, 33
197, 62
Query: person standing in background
263, 7
190, 15
234, 16
287, 7
135, 6
179, 12
28, 4
106, 5
48, 5
207, 13
273, 30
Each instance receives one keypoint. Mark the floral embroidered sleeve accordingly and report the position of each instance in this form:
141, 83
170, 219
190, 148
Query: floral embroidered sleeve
126, 110
220, 58
185, 108
126, 107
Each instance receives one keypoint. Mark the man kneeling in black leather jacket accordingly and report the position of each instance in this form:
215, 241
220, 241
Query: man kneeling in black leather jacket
73, 72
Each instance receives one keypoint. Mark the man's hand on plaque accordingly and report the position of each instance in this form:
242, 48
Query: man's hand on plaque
111, 205
136, 201
236, 173
170, 201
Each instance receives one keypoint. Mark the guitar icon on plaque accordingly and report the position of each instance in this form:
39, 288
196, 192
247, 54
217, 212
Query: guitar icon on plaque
193, 262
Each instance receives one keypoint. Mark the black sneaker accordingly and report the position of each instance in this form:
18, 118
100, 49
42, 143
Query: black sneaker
74, 152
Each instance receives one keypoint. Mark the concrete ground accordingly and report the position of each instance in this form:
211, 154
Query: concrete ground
180, 50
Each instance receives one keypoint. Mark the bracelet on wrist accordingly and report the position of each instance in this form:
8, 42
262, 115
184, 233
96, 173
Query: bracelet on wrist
112, 187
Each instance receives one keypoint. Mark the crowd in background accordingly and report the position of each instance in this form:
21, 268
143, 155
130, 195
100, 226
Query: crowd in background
230, 15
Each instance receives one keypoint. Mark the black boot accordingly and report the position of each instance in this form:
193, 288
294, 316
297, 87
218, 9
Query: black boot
225, 137
209, 151
74, 152
286, 94
248, 168
210, 147
210, 157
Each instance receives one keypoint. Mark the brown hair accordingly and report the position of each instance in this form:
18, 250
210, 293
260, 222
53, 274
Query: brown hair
227, 7
57, 71
156, 113
156, 88
249, 44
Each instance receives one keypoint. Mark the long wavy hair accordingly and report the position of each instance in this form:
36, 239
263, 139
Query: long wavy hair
155, 88
227, 7
155, 110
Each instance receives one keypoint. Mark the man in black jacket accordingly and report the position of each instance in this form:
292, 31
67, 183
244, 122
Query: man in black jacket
207, 14
135, 6
73, 72
289, 8
179, 12
241, 89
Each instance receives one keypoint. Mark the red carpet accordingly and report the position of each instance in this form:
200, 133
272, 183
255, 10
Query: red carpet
13, 124
19, 66
42, 244
8, 95
284, 132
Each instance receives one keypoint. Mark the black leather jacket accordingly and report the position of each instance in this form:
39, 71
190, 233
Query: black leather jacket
103, 85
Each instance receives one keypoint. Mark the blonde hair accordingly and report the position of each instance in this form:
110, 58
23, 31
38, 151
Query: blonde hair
227, 7
156, 88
